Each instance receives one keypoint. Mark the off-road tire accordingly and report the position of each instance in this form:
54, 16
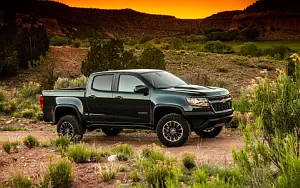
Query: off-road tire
211, 134
112, 131
178, 119
77, 127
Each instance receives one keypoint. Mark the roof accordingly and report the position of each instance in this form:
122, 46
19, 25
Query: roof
140, 71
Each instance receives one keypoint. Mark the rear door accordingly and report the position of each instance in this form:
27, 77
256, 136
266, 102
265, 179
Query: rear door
100, 98
131, 107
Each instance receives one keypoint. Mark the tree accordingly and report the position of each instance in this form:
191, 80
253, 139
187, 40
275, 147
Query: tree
152, 58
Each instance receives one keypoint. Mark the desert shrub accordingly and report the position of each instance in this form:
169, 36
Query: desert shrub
243, 104
217, 47
177, 43
199, 178
28, 113
20, 181
30, 141
189, 160
63, 141
76, 43
58, 174
79, 153
250, 34
152, 155
152, 58
250, 49
134, 176
278, 52
162, 173
29, 89
64, 83
60, 41
145, 39
123, 149
2, 97
7, 147
221, 36
107, 173
239, 119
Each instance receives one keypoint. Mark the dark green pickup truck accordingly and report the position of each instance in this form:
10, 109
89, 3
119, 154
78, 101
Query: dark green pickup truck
139, 99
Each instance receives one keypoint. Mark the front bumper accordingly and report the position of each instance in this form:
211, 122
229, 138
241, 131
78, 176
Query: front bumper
203, 120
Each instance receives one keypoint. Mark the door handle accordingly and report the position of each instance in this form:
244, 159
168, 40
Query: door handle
93, 97
119, 97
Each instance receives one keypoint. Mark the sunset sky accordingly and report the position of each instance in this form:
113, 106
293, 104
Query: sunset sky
180, 9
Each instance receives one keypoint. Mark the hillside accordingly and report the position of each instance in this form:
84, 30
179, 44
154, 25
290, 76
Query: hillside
61, 19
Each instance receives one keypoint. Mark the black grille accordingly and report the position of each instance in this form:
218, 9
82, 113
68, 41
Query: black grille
222, 106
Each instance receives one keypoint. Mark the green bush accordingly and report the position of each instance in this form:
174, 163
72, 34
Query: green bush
278, 52
119, 58
152, 155
250, 49
7, 147
134, 175
217, 47
79, 153
189, 160
30, 141
243, 104
28, 113
2, 97
60, 41
64, 83
162, 173
29, 89
59, 174
108, 173
125, 149
20, 181
152, 58
63, 141
199, 178
76, 43
177, 43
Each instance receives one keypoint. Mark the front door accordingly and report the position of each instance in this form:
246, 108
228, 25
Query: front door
131, 107
100, 98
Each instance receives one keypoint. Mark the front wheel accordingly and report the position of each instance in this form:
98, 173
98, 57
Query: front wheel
70, 127
173, 130
112, 131
210, 133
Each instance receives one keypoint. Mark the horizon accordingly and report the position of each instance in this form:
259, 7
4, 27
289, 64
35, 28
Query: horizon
191, 9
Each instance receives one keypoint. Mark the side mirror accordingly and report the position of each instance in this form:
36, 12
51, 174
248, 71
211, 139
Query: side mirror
141, 89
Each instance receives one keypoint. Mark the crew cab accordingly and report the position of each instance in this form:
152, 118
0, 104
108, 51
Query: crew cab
139, 99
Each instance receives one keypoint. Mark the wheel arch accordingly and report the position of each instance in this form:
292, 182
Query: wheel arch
66, 109
161, 110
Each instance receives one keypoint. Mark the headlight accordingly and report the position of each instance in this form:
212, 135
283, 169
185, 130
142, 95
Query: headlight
202, 102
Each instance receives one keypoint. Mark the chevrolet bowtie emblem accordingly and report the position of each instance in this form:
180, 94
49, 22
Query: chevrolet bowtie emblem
223, 101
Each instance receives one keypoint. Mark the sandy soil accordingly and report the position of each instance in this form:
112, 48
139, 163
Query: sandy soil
33, 162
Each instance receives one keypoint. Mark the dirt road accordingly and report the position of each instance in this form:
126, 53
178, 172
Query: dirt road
217, 150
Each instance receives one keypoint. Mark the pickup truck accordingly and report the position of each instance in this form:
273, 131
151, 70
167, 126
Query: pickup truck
139, 99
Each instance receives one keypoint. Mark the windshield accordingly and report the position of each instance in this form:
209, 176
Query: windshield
163, 80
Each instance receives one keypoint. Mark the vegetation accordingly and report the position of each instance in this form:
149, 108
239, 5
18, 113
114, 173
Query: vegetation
60, 41
20, 181
30, 141
217, 47
59, 174
79, 153
64, 83
110, 55
189, 160
107, 173
11, 146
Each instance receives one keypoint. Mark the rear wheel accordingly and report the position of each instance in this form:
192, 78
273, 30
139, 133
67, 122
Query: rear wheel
173, 130
112, 131
210, 133
70, 127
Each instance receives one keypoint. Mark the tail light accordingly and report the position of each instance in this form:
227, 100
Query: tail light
42, 102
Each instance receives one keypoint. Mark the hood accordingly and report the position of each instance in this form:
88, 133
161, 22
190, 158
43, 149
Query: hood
207, 91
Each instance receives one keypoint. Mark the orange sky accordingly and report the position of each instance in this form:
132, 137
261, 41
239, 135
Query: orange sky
180, 9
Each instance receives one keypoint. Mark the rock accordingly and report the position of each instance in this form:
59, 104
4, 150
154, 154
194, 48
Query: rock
112, 158
9, 121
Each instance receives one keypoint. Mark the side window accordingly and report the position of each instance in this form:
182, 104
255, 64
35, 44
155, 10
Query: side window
103, 83
127, 83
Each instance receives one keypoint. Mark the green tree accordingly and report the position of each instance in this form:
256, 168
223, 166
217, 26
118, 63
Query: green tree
152, 58
177, 43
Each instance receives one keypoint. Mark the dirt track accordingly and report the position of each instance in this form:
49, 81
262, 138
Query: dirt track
217, 150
